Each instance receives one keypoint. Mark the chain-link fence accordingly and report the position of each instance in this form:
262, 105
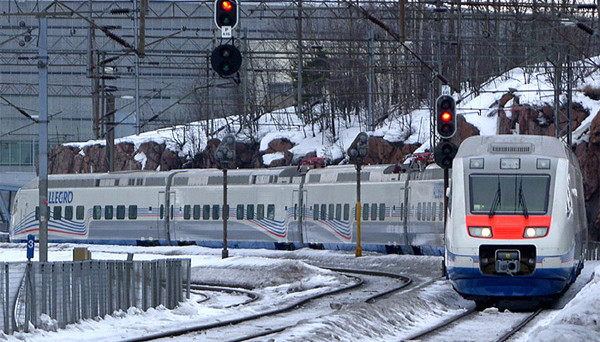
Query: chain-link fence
69, 291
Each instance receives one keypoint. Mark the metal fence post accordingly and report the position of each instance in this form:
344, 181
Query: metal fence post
54, 293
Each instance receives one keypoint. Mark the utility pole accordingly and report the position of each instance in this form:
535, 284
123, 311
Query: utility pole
300, 60
371, 119
43, 138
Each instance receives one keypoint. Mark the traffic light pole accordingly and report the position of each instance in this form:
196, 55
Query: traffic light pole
225, 252
446, 184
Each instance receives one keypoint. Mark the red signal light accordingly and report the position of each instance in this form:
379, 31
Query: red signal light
226, 6
446, 116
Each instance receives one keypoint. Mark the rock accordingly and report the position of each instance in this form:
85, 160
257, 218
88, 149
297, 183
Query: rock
595, 130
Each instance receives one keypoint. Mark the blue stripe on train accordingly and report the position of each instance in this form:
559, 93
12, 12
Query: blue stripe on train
543, 282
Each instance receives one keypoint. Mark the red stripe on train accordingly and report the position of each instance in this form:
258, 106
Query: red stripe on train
508, 227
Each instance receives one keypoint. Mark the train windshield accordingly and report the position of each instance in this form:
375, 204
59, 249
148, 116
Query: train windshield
509, 194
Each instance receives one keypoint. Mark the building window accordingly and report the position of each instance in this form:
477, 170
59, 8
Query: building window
18, 152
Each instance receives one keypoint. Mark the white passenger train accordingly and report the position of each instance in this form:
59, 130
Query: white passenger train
517, 225
185, 206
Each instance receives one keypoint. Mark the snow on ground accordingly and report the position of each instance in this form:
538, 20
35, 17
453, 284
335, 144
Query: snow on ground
280, 276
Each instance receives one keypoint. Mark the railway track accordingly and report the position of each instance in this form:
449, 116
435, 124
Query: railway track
436, 332
357, 283
252, 296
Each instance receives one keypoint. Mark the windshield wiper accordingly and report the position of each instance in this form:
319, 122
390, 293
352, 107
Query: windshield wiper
496, 201
522, 199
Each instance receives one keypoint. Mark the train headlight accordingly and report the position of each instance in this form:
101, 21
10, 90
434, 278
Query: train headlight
484, 232
533, 232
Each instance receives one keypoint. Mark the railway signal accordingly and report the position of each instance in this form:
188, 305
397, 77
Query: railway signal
361, 145
226, 60
446, 116
444, 153
357, 155
226, 13
225, 155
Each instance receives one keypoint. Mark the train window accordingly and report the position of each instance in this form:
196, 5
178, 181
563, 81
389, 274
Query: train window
323, 211
97, 212
197, 211
250, 211
206, 212
441, 213
120, 212
338, 212
68, 212
172, 216
108, 212
381, 211
419, 211
260, 211
315, 212
428, 211
162, 211
80, 212
132, 212
187, 212
402, 210
330, 216
240, 212
57, 213
37, 213
365, 212
215, 211
346, 212
433, 211
271, 211
295, 212
373, 211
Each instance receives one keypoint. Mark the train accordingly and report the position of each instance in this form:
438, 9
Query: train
516, 223
276, 208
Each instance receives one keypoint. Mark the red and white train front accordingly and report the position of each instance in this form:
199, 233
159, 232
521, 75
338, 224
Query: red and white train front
517, 223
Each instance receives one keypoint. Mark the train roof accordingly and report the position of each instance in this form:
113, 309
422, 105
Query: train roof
512, 144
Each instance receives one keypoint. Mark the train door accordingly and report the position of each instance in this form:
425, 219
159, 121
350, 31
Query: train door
165, 222
298, 225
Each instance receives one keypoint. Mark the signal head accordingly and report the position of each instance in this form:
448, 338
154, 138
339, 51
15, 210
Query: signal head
226, 13
226, 60
446, 116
